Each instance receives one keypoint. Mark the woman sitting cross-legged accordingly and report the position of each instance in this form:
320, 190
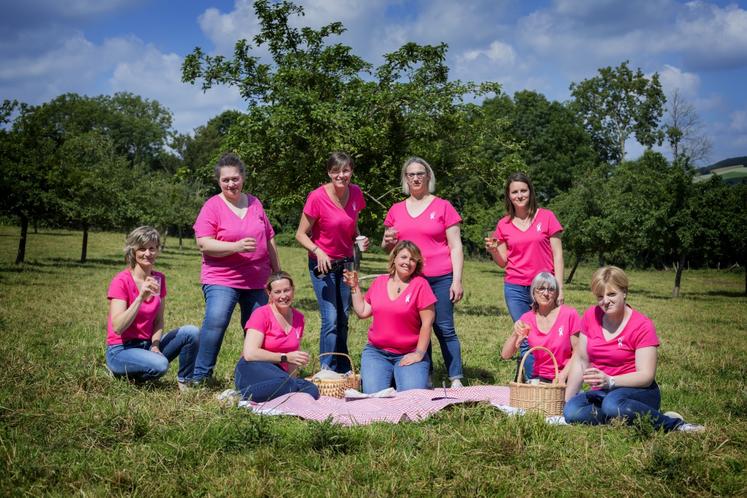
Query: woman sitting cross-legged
549, 325
616, 355
401, 304
136, 345
271, 353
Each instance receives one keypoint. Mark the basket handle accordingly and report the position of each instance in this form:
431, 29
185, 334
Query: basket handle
524, 358
352, 366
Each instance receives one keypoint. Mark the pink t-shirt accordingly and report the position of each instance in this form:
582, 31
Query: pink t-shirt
557, 340
334, 229
617, 356
529, 251
123, 287
276, 340
241, 270
428, 232
396, 324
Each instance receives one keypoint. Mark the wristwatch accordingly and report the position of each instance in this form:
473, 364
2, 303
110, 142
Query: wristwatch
283, 358
611, 382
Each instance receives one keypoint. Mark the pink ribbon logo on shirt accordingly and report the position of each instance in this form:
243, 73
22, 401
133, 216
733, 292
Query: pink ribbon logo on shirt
539, 227
620, 342
560, 331
407, 298
433, 215
355, 207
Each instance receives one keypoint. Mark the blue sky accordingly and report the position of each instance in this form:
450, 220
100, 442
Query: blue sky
699, 48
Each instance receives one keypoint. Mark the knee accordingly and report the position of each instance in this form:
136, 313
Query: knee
309, 388
159, 366
572, 411
613, 406
191, 333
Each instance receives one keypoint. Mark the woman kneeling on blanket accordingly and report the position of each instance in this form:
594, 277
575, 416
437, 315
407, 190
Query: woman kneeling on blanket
271, 356
616, 356
549, 325
401, 304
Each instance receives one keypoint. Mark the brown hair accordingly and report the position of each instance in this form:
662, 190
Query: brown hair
510, 209
229, 160
140, 237
414, 252
278, 275
338, 160
609, 275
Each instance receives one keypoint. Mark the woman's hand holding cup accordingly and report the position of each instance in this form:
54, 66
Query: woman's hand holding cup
521, 331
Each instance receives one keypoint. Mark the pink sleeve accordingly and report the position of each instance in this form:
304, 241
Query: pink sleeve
553, 225
451, 217
646, 336
311, 208
257, 320
389, 219
425, 295
269, 231
498, 234
361, 198
586, 321
206, 224
117, 289
163, 285
575, 322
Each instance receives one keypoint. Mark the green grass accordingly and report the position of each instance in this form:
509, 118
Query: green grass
67, 428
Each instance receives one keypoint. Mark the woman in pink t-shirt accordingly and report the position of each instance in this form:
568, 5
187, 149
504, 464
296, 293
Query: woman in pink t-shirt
555, 327
327, 229
401, 304
526, 241
238, 254
272, 353
616, 356
136, 345
432, 224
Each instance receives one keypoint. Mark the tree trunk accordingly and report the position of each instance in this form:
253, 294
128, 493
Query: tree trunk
601, 259
181, 245
84, 249
678, 275
573, 270
21, 255
36, 225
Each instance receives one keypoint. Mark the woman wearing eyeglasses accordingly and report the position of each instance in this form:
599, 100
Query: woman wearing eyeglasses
526, 241
432, 224
547, 324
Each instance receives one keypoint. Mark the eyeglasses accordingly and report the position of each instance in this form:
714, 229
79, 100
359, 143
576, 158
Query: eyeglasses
417, 174
545, 290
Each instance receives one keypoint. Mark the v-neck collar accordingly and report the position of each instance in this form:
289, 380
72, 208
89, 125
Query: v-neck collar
414, 217
227, 204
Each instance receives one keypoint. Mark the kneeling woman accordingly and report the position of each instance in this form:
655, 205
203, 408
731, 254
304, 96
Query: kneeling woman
547, 324
401, 304
136, 346
616, 356
271, 356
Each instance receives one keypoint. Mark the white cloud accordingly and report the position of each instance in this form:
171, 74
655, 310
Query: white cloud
225, 29
673, 78
713, 36
497, 53
738, 121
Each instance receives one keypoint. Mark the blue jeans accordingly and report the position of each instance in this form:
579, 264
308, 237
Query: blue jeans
136, 361
378, 367
262, 381
600, 406
518, 302
333, 297
220, 302
443, 326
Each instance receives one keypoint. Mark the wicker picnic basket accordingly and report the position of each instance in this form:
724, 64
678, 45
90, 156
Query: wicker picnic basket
336, 387
546, 398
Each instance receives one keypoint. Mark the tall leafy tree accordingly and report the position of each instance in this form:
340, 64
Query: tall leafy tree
617, 104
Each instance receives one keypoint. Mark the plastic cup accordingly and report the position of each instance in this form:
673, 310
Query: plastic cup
351, 275
360, 240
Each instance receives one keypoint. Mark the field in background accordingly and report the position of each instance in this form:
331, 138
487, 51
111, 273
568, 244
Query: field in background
66, 427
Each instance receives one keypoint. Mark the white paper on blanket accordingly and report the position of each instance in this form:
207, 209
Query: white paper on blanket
512, 410
389, 392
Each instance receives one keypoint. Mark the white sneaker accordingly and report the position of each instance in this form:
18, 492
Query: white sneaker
184, 385
673, 415
457, 383
685, 427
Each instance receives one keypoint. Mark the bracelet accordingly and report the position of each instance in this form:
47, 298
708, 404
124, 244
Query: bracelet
315, 249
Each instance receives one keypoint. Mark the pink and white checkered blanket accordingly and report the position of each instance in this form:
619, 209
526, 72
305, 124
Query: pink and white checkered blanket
414, 405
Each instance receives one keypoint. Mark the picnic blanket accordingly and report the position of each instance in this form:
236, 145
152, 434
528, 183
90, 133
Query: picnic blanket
413, 405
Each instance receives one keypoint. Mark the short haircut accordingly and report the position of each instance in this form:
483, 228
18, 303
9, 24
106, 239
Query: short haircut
510, 209
608, 275
428, 170
139, 238
278, 275
414, 252
338, 160
229, 160
543, 277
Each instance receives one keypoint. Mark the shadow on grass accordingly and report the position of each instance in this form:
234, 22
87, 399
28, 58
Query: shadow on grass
90, 263
481, 310
306, 304
479, 375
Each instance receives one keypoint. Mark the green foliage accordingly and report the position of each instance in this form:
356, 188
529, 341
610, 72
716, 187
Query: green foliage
617, 104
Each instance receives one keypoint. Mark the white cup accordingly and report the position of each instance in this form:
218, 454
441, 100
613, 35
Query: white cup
360, 241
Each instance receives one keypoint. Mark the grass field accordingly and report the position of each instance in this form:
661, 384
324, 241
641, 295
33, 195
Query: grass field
67, 428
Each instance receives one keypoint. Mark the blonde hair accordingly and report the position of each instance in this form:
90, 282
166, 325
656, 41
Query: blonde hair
428, 170
414, 252
138, 238
609, 275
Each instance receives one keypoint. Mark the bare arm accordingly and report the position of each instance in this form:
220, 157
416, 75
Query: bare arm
512, 342
498, 251
427, 316
645, 371
302, 236
253, 351
155, 340
272, 251
563, 374
122, 315
557, 260
223, 248
454, 240
360, 306
576, 373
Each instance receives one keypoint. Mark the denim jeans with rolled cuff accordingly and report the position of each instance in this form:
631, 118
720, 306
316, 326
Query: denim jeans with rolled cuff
220, 302
333, 297
136, 361
443, 326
